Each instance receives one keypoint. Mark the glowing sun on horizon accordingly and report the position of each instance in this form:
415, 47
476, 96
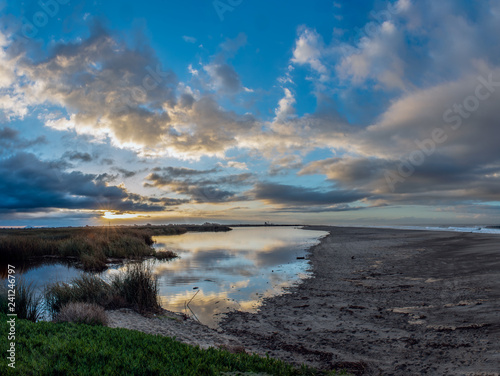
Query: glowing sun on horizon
113, 215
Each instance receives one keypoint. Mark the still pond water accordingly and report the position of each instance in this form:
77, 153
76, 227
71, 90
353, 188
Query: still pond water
217, 272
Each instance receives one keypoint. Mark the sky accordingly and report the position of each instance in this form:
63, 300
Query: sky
235, 111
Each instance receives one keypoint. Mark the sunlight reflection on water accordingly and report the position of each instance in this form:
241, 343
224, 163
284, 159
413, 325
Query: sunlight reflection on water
227, 271
231, 270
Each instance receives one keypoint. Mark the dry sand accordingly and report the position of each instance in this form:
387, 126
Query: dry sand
380, 302
172, 324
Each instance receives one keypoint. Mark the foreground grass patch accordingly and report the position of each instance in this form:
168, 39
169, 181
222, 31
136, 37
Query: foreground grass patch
48, 348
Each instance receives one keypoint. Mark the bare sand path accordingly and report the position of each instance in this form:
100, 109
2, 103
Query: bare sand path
171, 324
387, 302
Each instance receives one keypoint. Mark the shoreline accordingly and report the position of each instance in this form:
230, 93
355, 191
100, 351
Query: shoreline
379, 301
385, 301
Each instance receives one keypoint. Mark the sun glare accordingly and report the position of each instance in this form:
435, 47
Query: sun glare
112, 215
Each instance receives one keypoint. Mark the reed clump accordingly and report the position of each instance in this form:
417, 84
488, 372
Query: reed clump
26, 302
136, 288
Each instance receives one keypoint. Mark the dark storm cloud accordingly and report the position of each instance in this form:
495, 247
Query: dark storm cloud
10, 141
126, 173
105, 178
175, 172
77, 156
321, 208
168, 201
30, 184
349, 172
107, 161
438, 181
215, 189
7, 133
282, 194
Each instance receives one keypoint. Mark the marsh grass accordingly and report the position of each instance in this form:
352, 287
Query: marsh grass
90, 247
139, 287
28, 302
4, 306
136, 288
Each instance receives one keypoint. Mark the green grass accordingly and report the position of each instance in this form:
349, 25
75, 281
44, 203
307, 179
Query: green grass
55, 349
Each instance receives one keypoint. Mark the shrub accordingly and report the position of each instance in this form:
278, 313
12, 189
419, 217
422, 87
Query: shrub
82, 313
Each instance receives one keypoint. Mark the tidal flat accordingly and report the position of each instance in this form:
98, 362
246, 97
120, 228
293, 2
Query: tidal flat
387, 302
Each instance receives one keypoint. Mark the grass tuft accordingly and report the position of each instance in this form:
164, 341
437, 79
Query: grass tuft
139, 287
28, 302
87, 288
136, 288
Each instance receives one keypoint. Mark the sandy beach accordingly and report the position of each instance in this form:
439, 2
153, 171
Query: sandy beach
379, 302
388, 302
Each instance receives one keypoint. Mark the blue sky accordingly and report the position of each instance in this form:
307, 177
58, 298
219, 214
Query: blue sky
360, 112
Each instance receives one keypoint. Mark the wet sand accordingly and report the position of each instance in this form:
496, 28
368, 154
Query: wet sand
387, 302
